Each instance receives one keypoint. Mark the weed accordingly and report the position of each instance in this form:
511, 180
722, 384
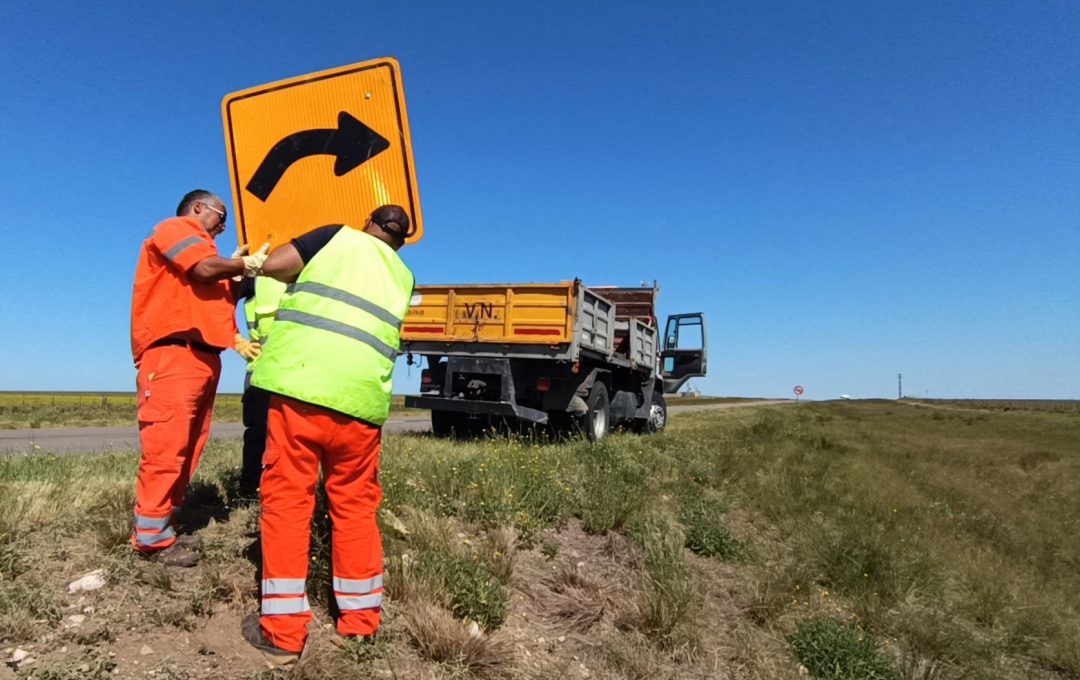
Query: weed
156, 575
12, 561
666, 607
26, 604
473, 591
111, 518
209, 589
613, 486
705, 535
91, 666
832, 650
496, 552
862, 559
363, 651
549, 549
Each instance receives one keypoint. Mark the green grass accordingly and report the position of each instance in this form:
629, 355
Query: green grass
866, 539
833, 650
34, 410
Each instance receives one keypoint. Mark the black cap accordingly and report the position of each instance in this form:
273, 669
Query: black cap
392, 218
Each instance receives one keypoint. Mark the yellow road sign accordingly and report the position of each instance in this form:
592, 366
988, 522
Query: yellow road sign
325, 148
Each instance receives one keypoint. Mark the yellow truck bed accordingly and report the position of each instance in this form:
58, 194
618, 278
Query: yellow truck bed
492, 313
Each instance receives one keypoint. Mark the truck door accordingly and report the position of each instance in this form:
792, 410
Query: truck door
684, 354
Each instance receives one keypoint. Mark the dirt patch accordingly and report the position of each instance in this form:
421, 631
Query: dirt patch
568, 594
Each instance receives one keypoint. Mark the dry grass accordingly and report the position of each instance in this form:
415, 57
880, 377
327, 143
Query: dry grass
578, 600
441, 638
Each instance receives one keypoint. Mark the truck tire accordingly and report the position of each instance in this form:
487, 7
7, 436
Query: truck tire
657, 419
598, 419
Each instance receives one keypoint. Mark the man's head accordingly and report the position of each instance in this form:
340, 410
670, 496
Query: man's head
389, 223
205, 207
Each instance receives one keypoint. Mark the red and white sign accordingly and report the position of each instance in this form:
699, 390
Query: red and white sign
798, 390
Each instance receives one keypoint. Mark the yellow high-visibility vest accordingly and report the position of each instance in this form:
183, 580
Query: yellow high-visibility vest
259, 311
336, 332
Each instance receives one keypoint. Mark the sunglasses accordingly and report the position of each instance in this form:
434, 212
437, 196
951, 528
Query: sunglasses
221, 213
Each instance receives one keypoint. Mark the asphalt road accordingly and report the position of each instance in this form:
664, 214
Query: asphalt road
66, 441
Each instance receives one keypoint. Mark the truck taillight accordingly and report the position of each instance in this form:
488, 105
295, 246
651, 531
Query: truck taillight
425, 376
543, 384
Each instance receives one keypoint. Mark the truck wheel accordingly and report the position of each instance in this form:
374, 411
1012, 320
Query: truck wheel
657, 415
598, 419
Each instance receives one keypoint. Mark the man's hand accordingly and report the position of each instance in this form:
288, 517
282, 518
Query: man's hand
253, 263
249, 350
239, 252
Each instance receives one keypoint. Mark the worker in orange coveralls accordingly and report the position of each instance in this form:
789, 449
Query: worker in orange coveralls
328, 365
182, 317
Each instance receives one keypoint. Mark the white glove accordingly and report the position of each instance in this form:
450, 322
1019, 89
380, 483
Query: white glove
253, 263
239, 252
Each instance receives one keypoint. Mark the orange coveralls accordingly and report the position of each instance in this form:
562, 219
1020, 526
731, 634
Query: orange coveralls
178, 328
300, 436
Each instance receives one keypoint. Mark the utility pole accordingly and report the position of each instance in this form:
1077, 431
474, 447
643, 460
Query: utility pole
899, 386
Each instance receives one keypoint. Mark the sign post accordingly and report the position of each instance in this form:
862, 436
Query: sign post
324, 148
798, 392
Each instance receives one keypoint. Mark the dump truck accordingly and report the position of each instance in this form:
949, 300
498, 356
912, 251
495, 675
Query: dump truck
572, 357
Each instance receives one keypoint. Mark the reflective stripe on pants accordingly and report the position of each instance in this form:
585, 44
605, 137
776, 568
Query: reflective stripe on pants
357, 594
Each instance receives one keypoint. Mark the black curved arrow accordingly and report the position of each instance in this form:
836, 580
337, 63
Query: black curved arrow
352, 142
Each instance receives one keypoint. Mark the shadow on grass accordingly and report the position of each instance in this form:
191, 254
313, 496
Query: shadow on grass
202, 502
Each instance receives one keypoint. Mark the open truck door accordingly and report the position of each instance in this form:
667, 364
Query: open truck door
684, 354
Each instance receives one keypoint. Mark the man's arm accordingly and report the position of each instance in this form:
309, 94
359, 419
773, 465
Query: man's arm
284, 264
216, 268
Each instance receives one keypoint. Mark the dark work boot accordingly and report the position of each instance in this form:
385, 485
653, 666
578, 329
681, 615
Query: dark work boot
175, 555
253, 634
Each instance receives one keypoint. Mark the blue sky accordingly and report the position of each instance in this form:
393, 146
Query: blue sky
848, 190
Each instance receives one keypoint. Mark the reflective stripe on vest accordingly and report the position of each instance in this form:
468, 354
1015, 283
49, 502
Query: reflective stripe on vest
348, 298
305, 319
336, 332
274, 606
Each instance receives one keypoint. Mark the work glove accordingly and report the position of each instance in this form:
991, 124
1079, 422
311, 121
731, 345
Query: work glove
253, 263
239, 252
249, 350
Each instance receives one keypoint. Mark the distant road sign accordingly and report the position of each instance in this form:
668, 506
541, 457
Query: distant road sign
324, 148
798, 390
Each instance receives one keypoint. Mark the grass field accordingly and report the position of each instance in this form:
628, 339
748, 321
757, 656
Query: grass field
836, 540
32, 410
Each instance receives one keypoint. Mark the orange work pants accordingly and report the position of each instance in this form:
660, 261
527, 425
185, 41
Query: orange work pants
176, 389
300, 436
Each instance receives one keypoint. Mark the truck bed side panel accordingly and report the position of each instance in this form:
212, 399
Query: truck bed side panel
498, 313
